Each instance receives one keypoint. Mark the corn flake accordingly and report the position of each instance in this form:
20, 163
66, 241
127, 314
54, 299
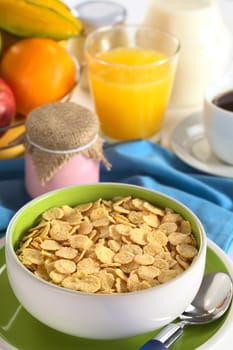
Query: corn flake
123, 257
50, 244
104, 254
53, 213
144, 259
66, 253
65, 266
80, 241
148, 272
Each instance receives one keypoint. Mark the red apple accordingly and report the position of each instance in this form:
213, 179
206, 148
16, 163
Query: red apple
7, 106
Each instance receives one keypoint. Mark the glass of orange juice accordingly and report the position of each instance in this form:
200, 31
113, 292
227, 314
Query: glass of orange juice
131, 71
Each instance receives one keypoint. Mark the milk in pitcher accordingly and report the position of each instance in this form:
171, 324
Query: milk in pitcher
205, 44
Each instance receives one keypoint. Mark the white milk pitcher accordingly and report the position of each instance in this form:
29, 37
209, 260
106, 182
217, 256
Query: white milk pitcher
206, 45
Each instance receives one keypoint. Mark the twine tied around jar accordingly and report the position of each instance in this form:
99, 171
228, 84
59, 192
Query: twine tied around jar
57, 131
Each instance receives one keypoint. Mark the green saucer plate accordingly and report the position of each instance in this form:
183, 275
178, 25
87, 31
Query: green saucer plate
19, 330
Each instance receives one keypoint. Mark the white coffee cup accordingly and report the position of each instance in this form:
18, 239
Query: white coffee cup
218, 121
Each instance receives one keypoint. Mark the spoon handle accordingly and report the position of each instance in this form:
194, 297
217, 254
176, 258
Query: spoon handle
153, 344
166, 337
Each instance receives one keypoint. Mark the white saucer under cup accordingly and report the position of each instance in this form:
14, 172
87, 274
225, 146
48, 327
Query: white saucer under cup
189, 143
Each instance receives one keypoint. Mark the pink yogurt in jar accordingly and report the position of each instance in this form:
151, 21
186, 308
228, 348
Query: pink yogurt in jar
78, 170
62, 147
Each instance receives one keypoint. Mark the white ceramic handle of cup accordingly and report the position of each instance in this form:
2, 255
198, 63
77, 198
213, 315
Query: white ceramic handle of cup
218, 122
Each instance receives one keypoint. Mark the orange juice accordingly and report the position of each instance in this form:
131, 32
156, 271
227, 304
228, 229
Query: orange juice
130, 88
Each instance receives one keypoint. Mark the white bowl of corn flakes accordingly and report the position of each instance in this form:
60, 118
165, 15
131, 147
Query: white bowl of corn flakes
106, 260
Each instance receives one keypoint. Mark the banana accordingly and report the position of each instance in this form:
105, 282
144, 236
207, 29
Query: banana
38, 18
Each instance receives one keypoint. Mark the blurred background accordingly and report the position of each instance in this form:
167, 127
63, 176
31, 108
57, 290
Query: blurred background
136, 9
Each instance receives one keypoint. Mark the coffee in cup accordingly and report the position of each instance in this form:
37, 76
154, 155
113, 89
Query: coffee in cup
218, 118
225, 101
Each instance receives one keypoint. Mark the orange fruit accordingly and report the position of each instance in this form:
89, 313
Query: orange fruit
39, 71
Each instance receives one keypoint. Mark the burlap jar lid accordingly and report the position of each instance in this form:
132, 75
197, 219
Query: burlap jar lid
57, 131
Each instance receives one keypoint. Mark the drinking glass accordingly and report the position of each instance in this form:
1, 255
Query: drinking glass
131, 71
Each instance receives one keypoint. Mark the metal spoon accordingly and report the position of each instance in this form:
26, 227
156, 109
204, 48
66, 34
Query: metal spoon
211, 302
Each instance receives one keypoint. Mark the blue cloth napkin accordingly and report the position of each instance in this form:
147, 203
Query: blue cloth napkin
146, 164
